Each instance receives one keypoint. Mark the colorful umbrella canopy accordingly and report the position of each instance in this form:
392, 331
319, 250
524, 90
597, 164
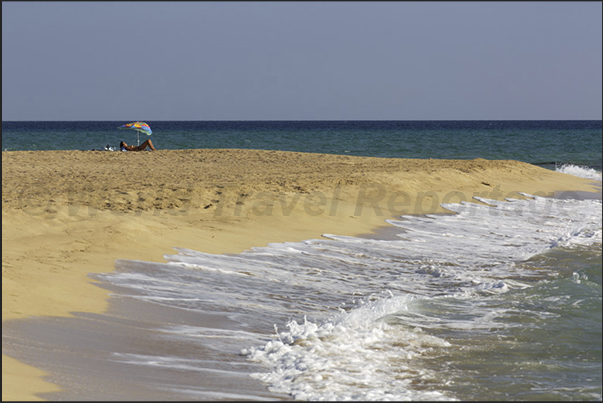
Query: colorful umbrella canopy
140, 127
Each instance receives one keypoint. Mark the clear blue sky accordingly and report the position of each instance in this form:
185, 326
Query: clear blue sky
301, 60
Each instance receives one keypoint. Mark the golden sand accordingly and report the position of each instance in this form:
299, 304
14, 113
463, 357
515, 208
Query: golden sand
69, 213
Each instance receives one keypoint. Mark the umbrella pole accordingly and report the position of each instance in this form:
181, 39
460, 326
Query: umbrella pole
137, 137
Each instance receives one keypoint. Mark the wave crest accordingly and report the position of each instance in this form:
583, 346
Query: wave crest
580, 171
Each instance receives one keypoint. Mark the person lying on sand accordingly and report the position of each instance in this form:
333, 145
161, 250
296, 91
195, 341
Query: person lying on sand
147, 143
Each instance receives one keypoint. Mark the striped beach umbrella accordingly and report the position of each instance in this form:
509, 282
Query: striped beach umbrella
140, 127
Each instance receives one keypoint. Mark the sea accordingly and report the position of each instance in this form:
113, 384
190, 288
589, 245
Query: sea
498, 300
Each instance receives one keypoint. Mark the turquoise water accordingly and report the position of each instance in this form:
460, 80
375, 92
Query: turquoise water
496, 302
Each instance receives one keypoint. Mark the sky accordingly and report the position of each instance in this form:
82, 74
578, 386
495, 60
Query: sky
301, 60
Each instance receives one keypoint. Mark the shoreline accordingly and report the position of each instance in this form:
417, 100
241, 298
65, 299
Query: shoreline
70, 213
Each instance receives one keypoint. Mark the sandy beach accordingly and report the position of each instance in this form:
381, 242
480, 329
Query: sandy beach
69, 213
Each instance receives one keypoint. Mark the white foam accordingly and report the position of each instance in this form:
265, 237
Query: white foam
353, 356
580, 171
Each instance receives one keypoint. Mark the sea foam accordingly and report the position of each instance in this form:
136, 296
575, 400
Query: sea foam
580, 171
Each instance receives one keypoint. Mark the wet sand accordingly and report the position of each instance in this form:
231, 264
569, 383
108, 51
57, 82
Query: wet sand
66, 214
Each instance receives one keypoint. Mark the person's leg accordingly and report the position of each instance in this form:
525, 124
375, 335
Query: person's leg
147, 143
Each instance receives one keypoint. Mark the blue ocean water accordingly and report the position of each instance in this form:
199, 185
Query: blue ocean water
543, 143
499, 301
